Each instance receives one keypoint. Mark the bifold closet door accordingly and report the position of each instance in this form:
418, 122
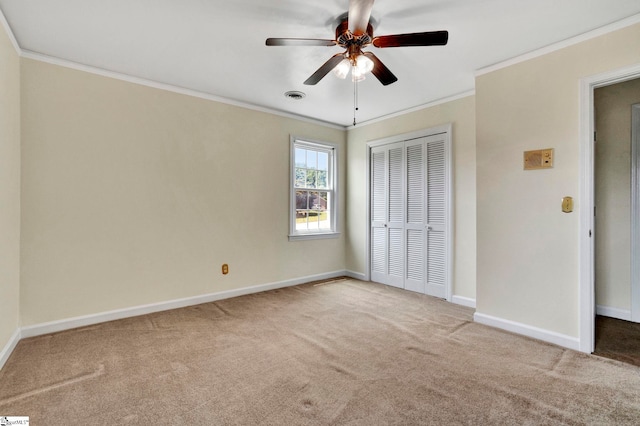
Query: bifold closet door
415, 224
436, 204
408, 215
387, 214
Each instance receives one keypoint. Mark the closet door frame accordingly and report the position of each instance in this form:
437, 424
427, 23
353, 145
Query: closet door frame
446, 131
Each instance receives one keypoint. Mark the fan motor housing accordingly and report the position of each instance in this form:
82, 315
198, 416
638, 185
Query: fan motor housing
345, 38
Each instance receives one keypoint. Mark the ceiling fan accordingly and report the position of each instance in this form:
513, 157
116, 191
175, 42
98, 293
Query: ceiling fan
355, 32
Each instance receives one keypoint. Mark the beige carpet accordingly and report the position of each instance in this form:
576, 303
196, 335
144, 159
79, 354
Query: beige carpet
346, 352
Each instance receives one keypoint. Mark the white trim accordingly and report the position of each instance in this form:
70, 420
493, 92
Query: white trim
70, 323
367, 214
314, 236
12, 37
170, 88
586, 272
448, 190
431, 104
635, 213
586, 255
464, 301
432, 131
607, 311
527, 330
28, 54
9, 347
356, 275
618, 25
333, 150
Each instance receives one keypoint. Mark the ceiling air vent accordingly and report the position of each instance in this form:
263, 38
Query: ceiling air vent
295, 95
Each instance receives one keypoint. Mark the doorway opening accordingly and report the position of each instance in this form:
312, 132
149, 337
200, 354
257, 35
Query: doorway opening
617, 220
588, 225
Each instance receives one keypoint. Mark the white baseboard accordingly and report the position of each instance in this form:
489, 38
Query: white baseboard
464, 301
607, 311
9, 347
82, 321
529, 331
355, 275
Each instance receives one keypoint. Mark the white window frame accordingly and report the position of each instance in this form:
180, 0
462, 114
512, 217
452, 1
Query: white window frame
333, 177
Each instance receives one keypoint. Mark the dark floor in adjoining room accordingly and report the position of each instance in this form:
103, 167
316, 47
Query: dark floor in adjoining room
618, 339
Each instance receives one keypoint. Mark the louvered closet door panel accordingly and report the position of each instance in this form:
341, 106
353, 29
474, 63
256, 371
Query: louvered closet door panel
415, 224
379, 187
415, 182
387, 214
415, 260
379, 243
396, 185
436, 214
396, 214
396, 254
378, 253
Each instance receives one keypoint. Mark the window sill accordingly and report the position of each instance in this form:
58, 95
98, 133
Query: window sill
318, 236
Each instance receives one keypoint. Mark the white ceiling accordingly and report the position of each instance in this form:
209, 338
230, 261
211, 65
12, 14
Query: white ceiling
218, 47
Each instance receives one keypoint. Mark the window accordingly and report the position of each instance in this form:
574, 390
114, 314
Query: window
313, 190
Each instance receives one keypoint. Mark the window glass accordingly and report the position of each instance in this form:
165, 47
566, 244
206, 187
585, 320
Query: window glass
313, 194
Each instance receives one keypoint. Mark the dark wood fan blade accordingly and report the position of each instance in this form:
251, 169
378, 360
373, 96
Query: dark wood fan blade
299, 42
381, 72
359, 14
431, 38
324, 69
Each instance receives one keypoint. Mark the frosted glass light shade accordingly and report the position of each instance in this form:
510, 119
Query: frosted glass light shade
342, 69
364, 64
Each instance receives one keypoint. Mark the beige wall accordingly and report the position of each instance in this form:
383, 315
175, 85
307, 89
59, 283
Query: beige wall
133, 195
461, 113
527, 251
613, 193
9, 189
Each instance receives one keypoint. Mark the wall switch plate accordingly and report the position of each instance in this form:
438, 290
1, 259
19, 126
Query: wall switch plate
567, 204
538, 159
225, 269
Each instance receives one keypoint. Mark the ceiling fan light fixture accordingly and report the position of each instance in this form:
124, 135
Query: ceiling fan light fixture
363, 64
355, 32
357, 75
342, 69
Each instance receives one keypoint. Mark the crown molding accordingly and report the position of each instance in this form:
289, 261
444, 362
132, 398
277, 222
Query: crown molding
28, 54
618, 25
414, 109
623, 23
9, 31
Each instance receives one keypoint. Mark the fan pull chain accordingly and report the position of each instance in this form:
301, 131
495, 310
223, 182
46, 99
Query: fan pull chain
355, 100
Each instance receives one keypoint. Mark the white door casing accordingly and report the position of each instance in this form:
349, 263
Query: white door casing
635, 213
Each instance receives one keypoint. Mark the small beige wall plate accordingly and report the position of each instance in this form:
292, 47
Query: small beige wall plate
538, 159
